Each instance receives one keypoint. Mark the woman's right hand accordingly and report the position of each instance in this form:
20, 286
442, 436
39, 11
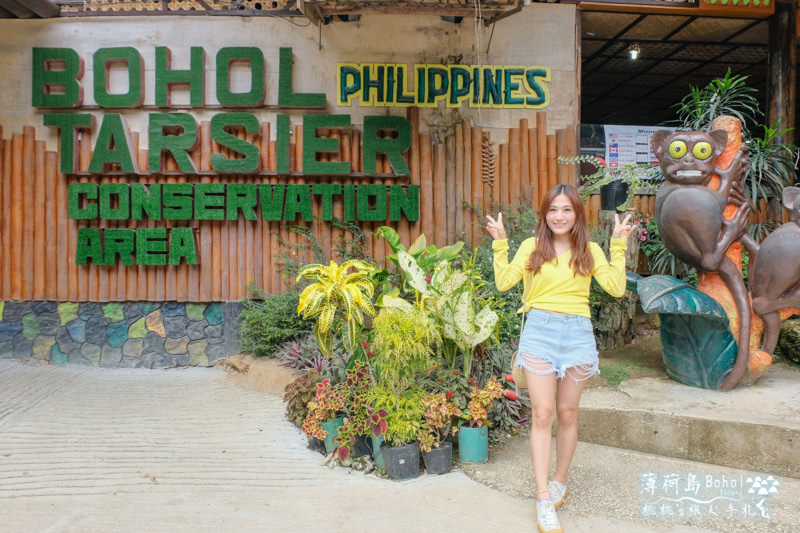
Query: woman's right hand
495, 227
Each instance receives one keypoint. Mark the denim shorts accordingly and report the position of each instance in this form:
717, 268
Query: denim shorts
554, 343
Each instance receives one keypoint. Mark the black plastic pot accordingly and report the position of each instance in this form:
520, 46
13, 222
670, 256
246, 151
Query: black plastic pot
401, 462
613, 195
439, 460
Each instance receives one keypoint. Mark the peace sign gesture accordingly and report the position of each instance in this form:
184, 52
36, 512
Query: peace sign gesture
624, 228
495, 227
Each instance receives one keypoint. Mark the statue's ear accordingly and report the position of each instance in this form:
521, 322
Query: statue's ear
720, 140
790, 195
659, 142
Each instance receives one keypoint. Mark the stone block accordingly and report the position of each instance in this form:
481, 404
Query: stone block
42, 346
155, 322
176, 346
9, 330
194, 311
97, 330
89, 310
49, 323
57, 357
30, 326
91, 352
215, 313
132, 312
65, 342
117, 334
23, 348
44, 308
110, 356
14, 311
153, 343
173, 309
175, 326
138, 330
113, 312
132, 349
196, 330
77, 330
67, 312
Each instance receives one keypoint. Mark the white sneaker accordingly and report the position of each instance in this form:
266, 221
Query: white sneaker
548, 519
558, 491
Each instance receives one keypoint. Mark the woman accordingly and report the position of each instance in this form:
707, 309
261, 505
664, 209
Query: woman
557, 348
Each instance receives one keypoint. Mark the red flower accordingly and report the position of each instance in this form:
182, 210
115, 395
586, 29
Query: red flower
450, 394
510, 394
509, 378
455, 371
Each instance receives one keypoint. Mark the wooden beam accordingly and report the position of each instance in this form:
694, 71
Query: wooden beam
782, 69
699, 11
43, 8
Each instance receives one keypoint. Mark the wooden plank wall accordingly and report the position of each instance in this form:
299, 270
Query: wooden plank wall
38, 240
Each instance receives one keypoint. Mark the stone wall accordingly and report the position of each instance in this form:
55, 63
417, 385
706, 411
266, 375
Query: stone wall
125, 334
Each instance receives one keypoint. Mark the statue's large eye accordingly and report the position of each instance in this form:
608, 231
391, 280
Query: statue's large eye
702, 150
677, 149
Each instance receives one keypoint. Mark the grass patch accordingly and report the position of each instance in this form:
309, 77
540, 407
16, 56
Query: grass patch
616, 373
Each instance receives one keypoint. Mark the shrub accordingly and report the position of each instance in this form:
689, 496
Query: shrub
303, 353
269, 321
520, 223
298, 393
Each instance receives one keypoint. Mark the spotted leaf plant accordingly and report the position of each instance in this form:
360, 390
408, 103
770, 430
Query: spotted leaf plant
449, 297
338, 298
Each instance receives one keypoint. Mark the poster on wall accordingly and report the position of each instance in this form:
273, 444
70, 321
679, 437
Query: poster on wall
631, 145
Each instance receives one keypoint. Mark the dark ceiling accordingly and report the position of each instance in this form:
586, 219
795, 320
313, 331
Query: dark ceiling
677, 52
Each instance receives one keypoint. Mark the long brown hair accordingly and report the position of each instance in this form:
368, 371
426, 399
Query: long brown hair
581, 260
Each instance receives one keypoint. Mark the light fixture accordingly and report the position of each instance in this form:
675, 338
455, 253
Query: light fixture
634, 51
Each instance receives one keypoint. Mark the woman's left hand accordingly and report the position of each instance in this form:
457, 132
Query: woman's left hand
622, 229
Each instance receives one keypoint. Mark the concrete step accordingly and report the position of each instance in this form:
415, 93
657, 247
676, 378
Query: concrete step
757, 425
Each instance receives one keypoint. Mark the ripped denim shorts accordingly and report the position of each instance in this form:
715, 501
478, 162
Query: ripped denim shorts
552, 342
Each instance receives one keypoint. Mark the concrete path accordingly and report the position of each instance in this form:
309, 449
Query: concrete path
87, 449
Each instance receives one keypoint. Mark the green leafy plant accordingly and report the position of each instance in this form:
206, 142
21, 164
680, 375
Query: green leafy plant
520, 221
298, 393
328, 401
440, 413
405, 413
480, 401
640, 178
403, 343
338, 299
728, 95
361, 418
449, 296
269, 321
772, 164
303, 353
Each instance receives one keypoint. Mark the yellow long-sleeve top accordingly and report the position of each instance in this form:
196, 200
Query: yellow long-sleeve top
555, 287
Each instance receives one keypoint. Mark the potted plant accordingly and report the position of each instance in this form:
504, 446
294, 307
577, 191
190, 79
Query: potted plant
617, 186
437, 453
325, 416
473, 439
361, 418
405, 412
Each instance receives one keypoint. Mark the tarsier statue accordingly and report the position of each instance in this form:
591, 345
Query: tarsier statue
690, 219
775, 271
